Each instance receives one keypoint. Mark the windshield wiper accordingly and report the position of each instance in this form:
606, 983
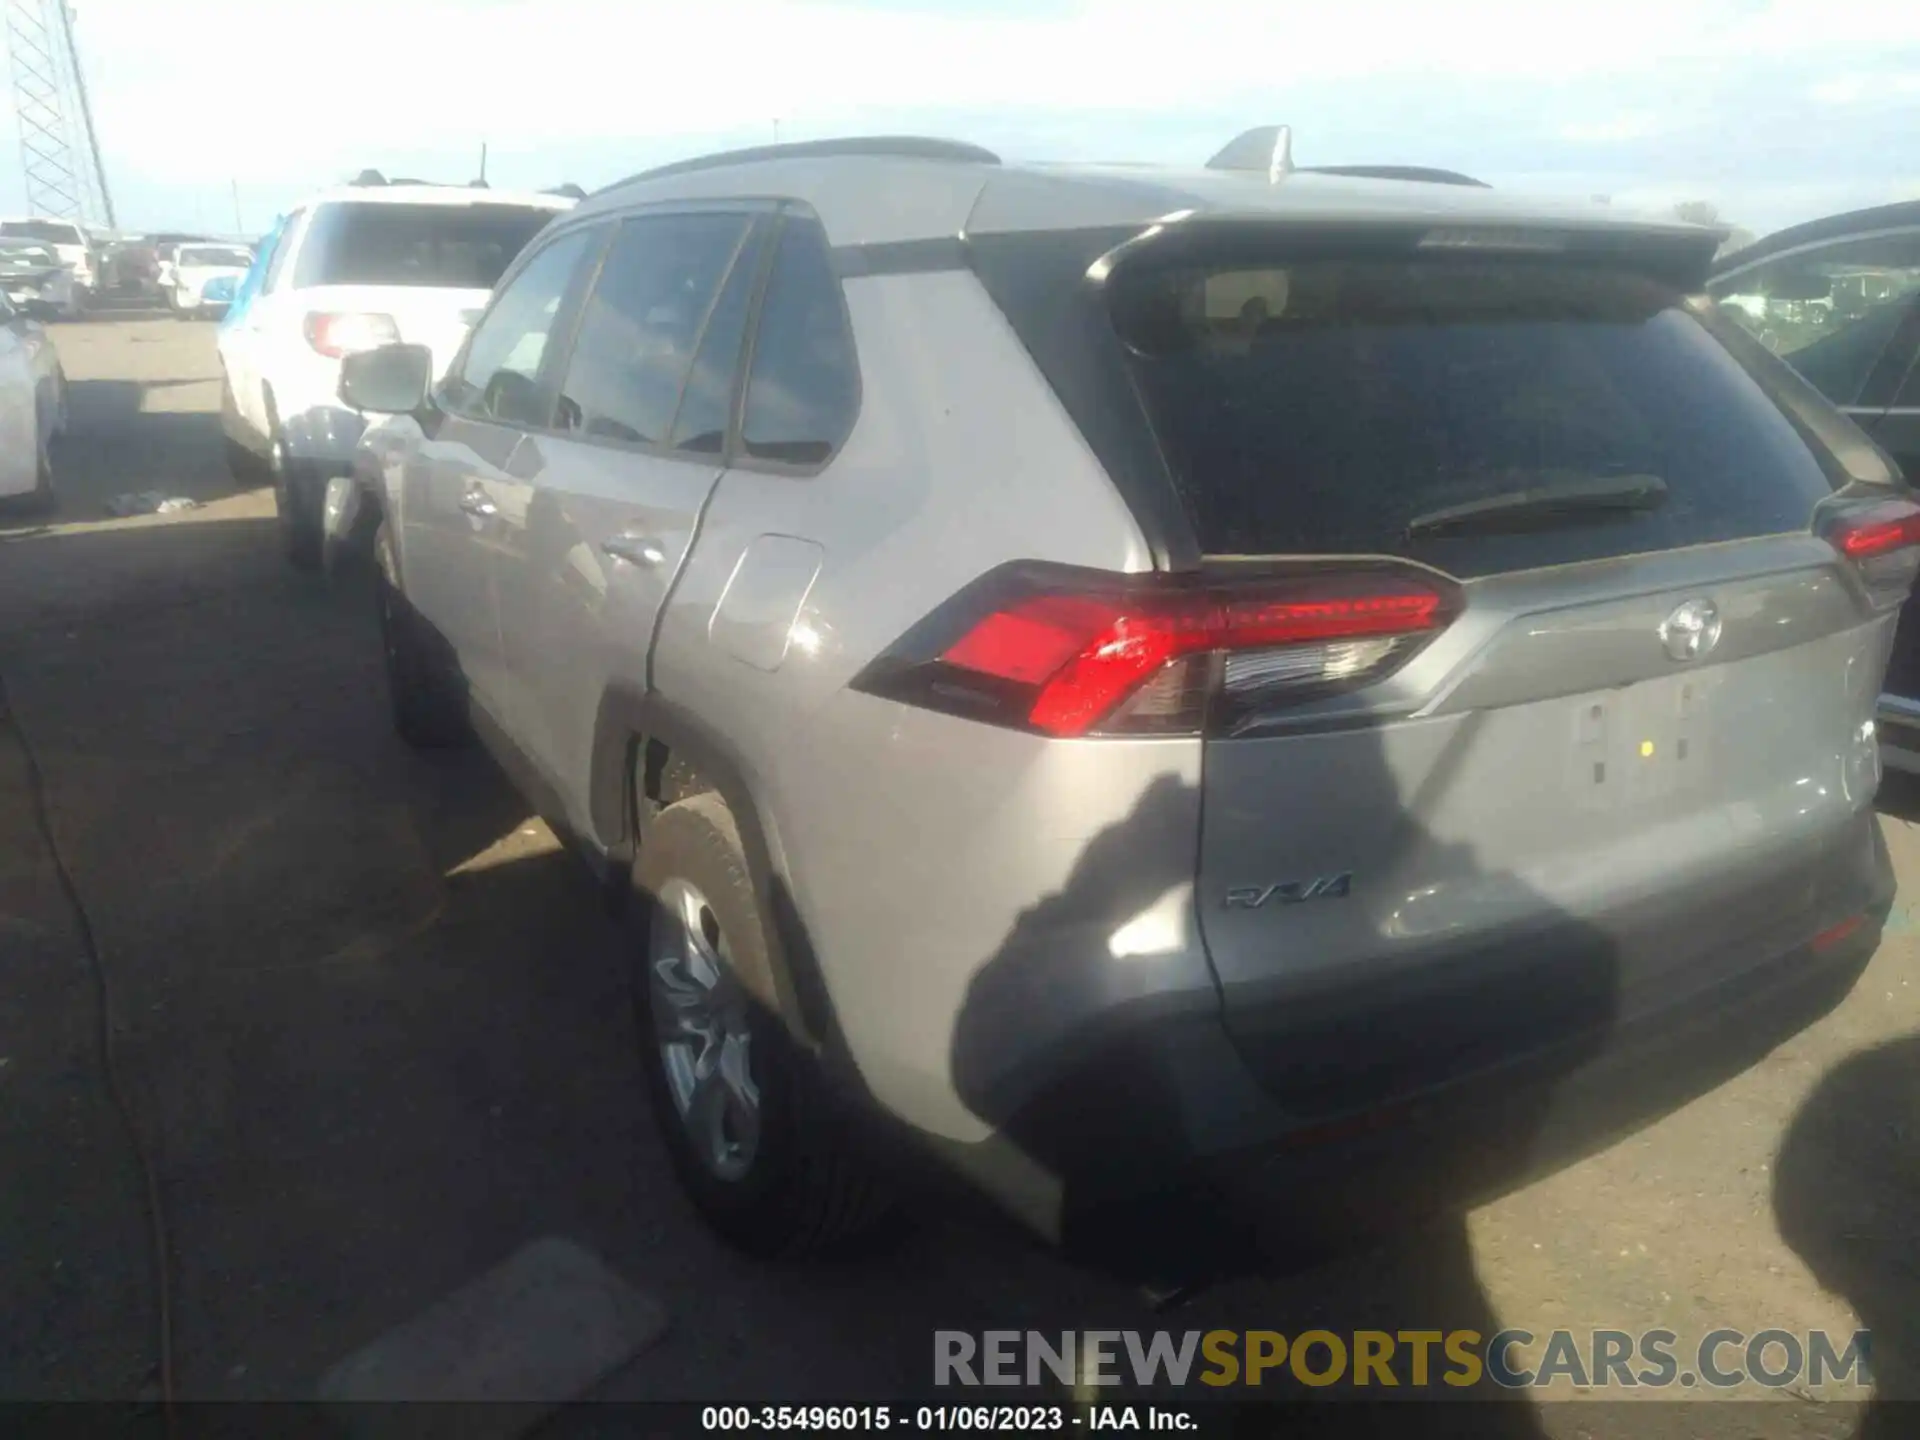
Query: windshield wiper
1540, 507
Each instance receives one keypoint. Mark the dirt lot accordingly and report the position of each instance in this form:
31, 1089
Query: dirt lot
375, 1035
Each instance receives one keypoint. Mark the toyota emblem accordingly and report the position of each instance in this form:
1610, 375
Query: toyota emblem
1691, 631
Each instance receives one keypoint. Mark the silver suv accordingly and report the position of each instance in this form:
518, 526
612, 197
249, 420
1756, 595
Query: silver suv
1139, 678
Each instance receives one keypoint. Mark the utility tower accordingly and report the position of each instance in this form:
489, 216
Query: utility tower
59, 152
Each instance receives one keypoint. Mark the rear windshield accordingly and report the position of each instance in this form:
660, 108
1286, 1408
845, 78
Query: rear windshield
465, 247
196, 255
1334, 406
51, 231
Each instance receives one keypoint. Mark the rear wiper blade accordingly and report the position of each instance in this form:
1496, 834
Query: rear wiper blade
1544, 504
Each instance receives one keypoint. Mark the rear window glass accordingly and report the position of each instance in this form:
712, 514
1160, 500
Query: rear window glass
465, 247
215, 255
52, 231
1334, 406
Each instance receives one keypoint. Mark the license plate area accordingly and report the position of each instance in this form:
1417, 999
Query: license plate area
1640, 746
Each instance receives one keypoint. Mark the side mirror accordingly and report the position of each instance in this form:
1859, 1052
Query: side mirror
393, 380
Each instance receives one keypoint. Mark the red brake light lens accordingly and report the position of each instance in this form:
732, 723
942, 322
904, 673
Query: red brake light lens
1139, 655
1885, 528
1883, 542
335, 334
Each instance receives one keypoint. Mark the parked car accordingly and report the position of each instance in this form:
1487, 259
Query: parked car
1839, 300
33, 407
71, 243
196, 267
34, 279
1145, 678
352, 269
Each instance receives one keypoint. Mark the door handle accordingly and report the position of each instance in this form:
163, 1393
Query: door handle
635, 550
477, 502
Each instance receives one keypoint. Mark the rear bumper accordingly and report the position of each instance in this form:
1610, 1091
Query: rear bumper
1180, 1148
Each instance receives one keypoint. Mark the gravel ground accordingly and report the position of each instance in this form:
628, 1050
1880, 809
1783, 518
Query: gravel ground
373, 1030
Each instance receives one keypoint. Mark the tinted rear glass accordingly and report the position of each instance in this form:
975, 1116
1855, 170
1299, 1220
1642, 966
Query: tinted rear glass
1322, 406
464, 247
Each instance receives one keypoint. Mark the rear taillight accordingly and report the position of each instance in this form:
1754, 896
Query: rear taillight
335, 334
1883, 542
1070, 653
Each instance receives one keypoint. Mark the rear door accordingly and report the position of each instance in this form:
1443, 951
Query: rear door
1620, 749
605, 506
455, 503
19, 448
242, 345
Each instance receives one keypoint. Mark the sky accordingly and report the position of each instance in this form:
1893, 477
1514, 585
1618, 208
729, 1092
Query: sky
218, 114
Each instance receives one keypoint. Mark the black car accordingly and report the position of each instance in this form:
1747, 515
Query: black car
1839, 299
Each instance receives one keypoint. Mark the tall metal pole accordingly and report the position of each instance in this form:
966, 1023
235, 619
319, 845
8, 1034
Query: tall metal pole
86, 113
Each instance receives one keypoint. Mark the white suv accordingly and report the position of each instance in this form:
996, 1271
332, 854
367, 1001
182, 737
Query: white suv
354, 268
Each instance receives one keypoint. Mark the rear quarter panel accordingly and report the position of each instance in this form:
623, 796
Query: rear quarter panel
918, 848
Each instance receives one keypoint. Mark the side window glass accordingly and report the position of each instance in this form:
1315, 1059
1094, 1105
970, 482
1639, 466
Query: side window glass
804, 388
706, 406
1909, 396
635, 345
499, 377
1830, 312
282, 248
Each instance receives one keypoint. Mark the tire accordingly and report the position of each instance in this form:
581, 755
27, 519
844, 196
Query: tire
771, 1164
299, 494
42, 500
429, 703
243, 465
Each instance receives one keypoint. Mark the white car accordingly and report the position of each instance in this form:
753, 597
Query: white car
33, 279
354, 269
195, 267
33, 407
71, 243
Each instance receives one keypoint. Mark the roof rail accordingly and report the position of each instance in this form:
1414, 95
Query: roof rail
894, 147
1419, 173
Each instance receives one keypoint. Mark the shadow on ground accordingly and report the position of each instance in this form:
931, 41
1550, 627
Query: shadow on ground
125, 437
1847, 1197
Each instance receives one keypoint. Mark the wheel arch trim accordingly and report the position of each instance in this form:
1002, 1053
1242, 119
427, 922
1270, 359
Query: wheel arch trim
630, 718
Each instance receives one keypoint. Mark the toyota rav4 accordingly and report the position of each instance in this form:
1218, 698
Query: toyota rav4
1146, 680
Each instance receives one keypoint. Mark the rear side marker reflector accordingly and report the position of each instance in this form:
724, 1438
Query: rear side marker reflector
1833, 935
1081, 653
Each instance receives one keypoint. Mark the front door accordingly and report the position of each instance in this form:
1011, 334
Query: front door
454, 502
